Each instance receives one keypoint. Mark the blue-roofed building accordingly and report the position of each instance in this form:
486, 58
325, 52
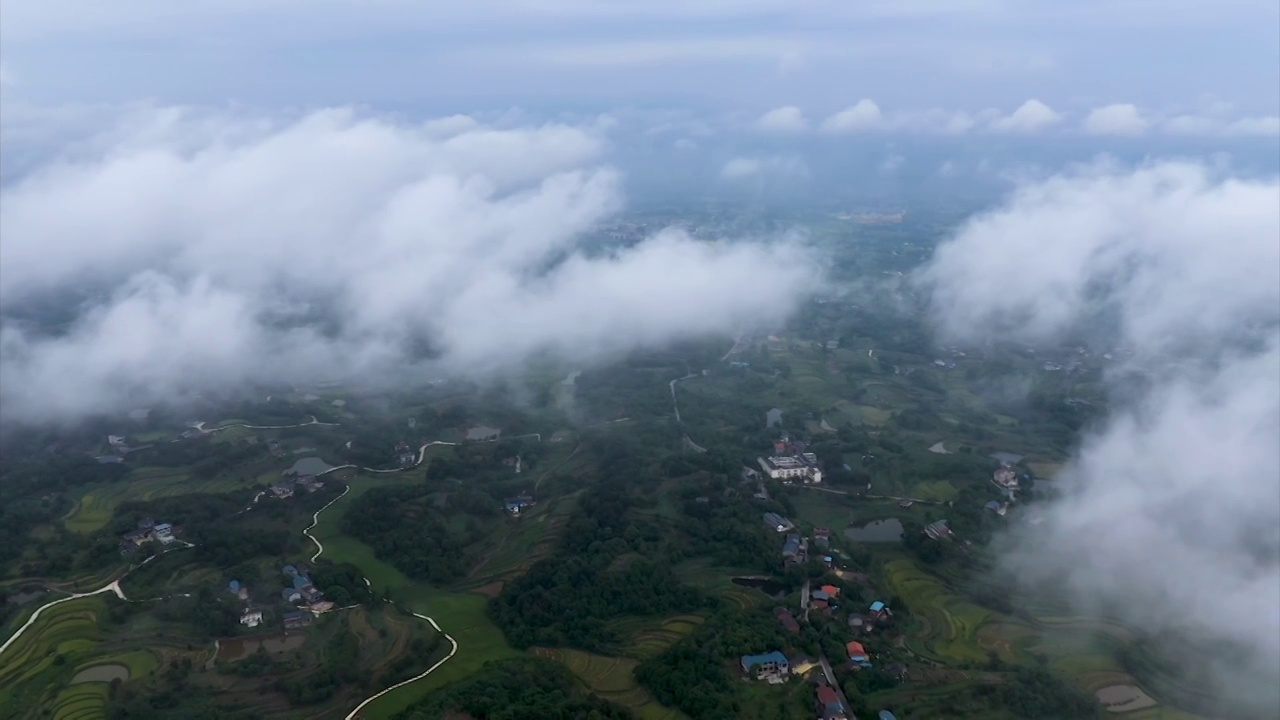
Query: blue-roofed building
879, 611
301, 581
289, 570
291, 595
771, 666
886, 715
234, 586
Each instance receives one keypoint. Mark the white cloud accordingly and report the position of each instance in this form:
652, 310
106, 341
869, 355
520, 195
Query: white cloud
1191, 125
1257, 126
1181, 481
788, 119
1031, 117
249, 251
862, 116
1205, 125
1117, 119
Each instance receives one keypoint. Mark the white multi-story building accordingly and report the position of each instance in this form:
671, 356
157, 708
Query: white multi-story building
787, 468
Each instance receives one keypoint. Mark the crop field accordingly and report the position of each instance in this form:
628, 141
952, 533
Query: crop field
82, 701
521, 542
649, 637
950, 621
48, 653
94, 509
461, 615
611, 678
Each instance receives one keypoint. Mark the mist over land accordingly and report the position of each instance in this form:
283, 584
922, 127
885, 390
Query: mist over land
646, 227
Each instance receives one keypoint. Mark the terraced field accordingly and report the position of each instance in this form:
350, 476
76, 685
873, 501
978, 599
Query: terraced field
47, 655
950, 622
650, 637
526, 541
94, 509
613, 679
82, 701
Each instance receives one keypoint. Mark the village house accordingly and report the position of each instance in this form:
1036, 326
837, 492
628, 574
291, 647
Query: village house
251, 618
999, 508
879, 611
310, 483
788, 468
282, 491
794, 549
822, 538
291, 595
321, 606
858, 654
829, 705
164, 533
777, 522
519, 504
407, 459
770, 666
240, 591
858, 623
1006, 477
937, 530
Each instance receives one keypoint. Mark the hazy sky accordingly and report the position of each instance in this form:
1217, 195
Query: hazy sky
1172, 57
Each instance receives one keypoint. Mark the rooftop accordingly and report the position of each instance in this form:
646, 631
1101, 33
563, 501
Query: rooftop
750, 661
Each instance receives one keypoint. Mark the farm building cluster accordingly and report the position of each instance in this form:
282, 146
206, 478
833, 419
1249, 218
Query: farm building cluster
286, 489
300, 595
148, 531
790, 463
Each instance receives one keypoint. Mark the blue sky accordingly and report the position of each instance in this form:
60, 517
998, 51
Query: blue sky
1174, 57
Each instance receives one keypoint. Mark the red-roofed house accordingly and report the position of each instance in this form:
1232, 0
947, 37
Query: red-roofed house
831, 590
857, 652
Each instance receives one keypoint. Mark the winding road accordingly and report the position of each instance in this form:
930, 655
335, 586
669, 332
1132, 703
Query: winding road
453, 649
113, 586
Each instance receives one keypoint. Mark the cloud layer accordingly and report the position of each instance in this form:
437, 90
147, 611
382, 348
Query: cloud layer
1171, 514
219, 251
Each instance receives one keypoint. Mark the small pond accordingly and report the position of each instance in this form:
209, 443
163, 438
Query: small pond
101, 673
888, 530
309, 466
769, 587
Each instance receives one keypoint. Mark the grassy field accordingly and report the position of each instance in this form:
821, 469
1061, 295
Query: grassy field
612, 678
461, 615
341, 548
